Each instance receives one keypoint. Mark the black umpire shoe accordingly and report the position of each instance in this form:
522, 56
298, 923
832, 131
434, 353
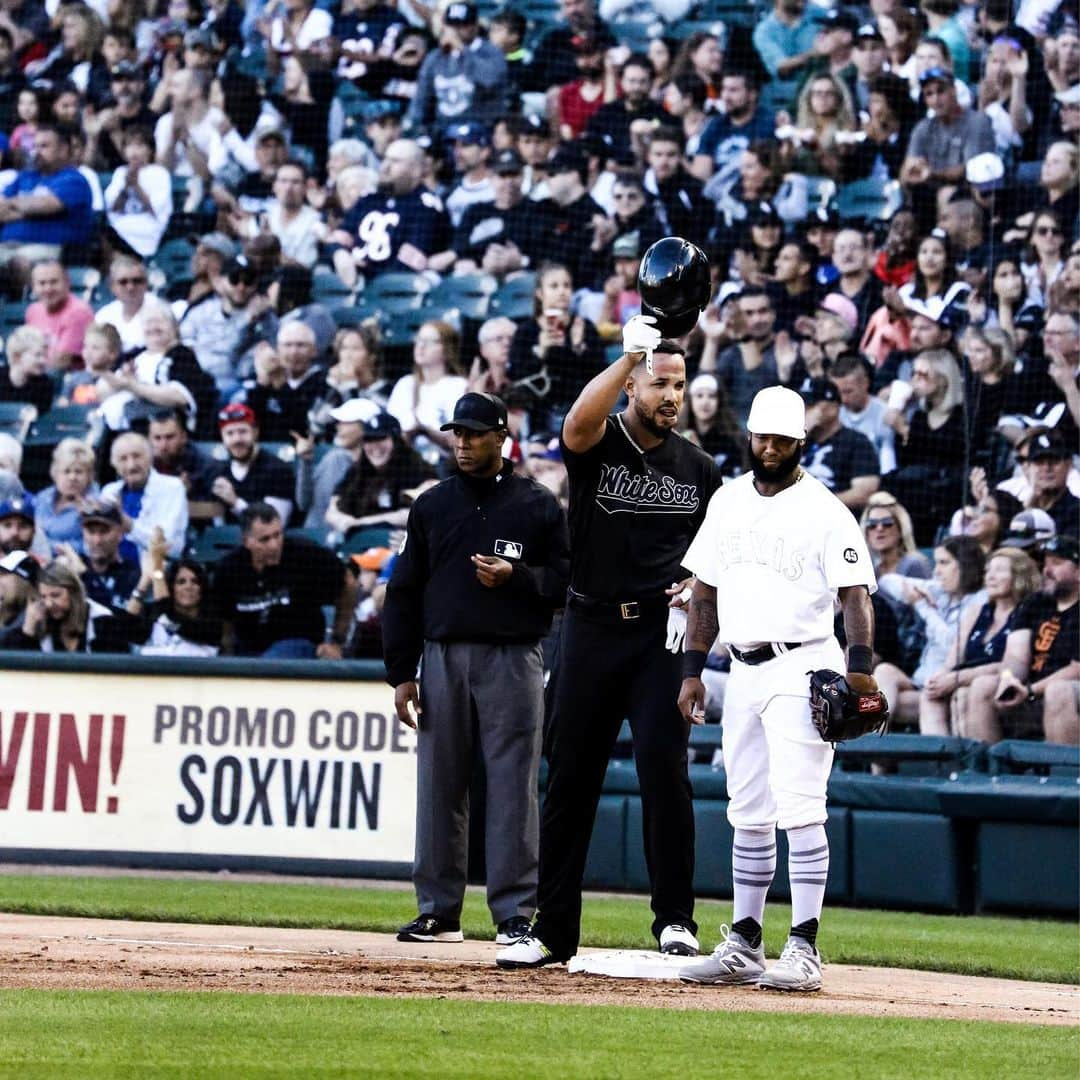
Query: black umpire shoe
512, 930
431, 928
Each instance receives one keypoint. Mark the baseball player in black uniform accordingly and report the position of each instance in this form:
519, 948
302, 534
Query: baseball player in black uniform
483, 567
638, 493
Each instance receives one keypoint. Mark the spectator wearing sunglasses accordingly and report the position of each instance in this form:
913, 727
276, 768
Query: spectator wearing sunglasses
128, 283
225, 325
1044, 258
891, 539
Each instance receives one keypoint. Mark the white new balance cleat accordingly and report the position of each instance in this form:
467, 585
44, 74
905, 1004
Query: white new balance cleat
733, 963
677, 940
798, 969
528, 952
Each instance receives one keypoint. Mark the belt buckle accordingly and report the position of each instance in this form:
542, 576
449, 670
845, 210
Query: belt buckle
630, 610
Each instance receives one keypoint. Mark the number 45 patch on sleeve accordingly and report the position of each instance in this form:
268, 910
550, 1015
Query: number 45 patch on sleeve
509, 549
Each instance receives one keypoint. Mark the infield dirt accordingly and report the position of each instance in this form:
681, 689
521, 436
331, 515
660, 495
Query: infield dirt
91, 954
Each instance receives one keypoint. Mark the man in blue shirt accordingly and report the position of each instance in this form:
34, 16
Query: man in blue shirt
45, 206
787, 41
743, 121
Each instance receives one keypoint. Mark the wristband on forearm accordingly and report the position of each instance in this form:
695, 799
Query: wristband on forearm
860, 659
693, 663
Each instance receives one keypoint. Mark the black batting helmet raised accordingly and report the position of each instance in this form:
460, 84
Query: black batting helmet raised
674, 285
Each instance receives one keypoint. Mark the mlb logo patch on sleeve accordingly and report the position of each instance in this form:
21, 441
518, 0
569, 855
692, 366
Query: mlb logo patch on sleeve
508, 549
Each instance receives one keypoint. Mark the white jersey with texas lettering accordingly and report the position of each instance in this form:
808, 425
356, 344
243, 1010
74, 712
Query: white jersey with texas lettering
777, 562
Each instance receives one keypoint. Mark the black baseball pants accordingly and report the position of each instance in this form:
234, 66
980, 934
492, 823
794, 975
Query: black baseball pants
607, 669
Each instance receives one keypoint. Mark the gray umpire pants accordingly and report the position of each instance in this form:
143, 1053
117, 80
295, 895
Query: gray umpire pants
494, 693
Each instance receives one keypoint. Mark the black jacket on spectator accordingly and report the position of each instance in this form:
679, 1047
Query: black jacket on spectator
195, 469
113, 587
681, 208
11, 82
567, 368
483, 224
364, 491
839, 459
280, 410
107, 631
570, 240
612, 123
204, 629
788, 308
282, 602
38, 390
433, 594
267, 476
553, 61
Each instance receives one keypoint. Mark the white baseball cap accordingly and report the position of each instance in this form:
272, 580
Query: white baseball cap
355, 411
777, 411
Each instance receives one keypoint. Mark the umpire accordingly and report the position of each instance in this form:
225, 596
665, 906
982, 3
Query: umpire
484, 565
638, 493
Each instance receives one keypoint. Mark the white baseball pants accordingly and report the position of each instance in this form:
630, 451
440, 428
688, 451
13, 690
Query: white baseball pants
777, 764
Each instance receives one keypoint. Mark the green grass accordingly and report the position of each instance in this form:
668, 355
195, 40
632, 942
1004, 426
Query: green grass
109, 1034
1010, 948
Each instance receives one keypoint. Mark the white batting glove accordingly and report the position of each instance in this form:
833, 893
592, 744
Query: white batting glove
676, 629
640, 335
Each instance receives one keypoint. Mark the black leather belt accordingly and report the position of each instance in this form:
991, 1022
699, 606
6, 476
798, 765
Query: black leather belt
615, 609
764, 653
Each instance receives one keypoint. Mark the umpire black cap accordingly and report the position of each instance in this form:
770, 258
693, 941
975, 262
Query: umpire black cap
478, 412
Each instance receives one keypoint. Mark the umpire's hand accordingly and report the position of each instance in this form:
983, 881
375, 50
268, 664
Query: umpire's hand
492, 571
406, 694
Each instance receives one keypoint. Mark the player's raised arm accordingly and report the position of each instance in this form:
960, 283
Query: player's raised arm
584, 425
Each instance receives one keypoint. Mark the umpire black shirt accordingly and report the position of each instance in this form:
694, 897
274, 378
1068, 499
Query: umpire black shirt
633, 513
433, 593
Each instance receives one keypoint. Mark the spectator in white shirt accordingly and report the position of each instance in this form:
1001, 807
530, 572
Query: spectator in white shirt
128, 282
298, 226
138, 200
147, 498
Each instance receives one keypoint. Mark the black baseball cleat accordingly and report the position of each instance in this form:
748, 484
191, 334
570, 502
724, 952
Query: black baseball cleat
431, 928
512, 930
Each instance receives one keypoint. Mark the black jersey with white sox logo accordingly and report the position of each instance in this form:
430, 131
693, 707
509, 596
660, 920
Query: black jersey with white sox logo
633, 512
381, 223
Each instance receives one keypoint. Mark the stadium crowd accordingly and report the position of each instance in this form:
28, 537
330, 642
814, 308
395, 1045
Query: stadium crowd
252, 255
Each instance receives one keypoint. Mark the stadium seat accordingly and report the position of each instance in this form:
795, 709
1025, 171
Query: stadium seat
1019, 756
16, 418
367, 537
69, 421
173, 259
328, 287
84, 279
392, 293
12, 316
317, 535
468, 294
348, 312
869, 200
399, 328
515, 298
215, 542
916, 755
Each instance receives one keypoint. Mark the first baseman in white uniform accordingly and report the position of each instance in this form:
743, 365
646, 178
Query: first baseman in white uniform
775, 551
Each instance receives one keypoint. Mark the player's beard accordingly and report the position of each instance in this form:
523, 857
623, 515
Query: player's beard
775, 474
648, 422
